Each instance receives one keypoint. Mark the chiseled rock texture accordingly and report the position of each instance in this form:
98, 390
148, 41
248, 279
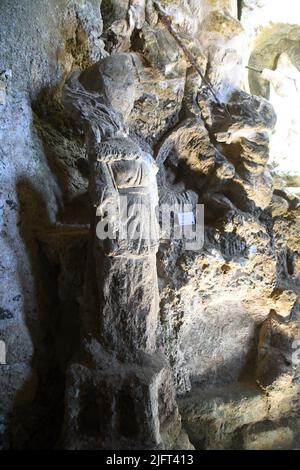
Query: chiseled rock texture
228, 332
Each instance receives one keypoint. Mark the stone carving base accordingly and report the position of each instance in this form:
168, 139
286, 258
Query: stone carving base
112, 405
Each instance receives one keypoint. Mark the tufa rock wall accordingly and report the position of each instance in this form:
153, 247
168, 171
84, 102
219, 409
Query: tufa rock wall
228, 324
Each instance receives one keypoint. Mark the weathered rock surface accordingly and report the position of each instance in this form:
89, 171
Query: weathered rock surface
214, 363
53, 38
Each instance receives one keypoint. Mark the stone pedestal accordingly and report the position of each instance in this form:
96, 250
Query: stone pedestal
112, 405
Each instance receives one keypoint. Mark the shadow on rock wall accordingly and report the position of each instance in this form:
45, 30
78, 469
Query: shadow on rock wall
38, 408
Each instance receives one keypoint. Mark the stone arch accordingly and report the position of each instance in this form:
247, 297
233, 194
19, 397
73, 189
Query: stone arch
270, 44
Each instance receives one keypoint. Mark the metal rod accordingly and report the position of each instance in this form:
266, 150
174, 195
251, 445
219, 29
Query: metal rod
254, 69
166, 21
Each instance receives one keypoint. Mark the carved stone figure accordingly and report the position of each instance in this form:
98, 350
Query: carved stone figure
119, 369
285, 97
124, 178
123, 191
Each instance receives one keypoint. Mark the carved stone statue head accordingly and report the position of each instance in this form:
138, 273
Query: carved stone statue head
115, 79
